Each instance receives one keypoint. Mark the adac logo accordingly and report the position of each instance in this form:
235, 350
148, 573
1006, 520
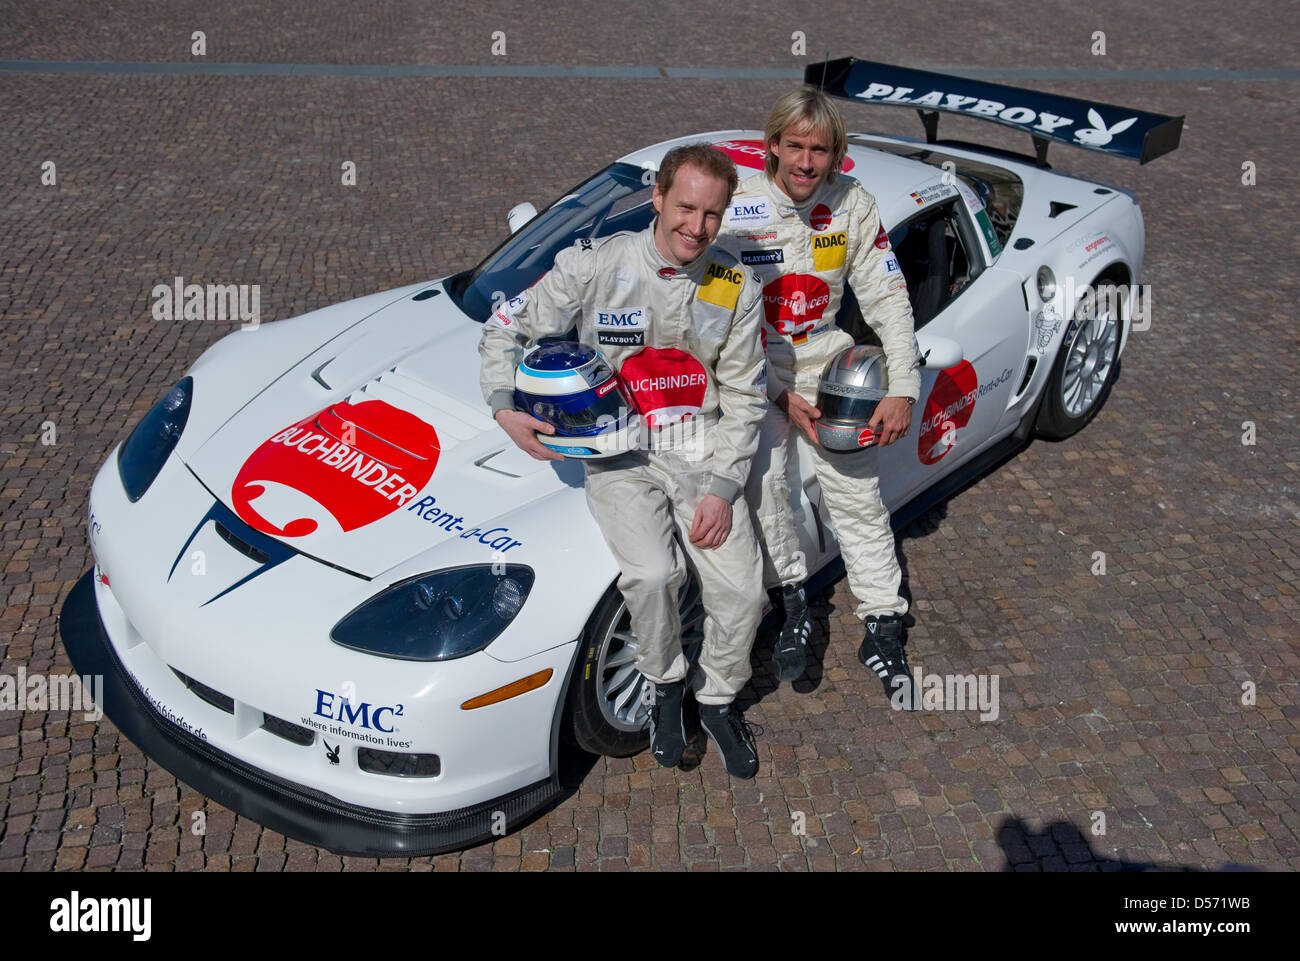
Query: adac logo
829, 251
752, 153
667, 385
947, 410
344, 468
721, 285
794, 303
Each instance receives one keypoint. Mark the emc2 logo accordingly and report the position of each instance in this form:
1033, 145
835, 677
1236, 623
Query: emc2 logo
337, 707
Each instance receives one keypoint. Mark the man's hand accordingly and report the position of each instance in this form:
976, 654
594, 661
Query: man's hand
712, 522
891, 420
801, 413
521, 427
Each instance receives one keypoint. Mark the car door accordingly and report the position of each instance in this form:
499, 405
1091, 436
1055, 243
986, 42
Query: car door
959, 299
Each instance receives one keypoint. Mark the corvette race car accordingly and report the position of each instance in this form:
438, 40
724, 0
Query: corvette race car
329, 592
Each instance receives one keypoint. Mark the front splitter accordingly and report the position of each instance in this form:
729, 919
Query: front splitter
295, 811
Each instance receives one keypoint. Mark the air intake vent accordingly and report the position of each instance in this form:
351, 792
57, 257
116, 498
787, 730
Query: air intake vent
204, 693
1060, 208
248, 550
1029, 373
295, 733
398, 765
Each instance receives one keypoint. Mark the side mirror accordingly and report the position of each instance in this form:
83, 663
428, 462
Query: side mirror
938, 353
519, 215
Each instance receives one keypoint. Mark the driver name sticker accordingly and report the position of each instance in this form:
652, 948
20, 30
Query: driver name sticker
928, 195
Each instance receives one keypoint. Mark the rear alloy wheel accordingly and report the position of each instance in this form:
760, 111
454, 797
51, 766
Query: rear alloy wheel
609, 700
1086, 367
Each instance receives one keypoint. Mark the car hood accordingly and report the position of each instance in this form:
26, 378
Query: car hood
378, 447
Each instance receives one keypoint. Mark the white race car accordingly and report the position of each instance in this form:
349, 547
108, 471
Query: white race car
330, 594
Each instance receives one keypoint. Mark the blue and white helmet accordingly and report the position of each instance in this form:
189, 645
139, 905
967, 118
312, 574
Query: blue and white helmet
572, 387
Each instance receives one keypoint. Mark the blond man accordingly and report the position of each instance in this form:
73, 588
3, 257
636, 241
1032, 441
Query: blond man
807, 230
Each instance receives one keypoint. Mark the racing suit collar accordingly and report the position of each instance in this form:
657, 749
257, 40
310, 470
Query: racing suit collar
666, 268
784, 204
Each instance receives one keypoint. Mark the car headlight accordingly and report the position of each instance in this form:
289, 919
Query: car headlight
142, 456
438, 616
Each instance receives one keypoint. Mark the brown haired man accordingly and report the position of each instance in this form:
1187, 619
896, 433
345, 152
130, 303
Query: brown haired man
806, 231
687, 349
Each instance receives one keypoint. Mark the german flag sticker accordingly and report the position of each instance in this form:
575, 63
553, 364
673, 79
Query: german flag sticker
721, 285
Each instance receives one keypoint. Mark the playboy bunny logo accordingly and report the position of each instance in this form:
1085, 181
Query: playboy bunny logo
331, 752
1098, 135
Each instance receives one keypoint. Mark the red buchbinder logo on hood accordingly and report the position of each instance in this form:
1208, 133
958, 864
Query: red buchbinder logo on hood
351, 463
793, 303
667, 385
948, 408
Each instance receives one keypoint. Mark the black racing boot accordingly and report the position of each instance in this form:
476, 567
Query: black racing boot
882, 652
790, 653
667, 732
733, 738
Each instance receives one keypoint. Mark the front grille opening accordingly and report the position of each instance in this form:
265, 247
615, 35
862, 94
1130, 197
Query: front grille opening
203, 692
295, 733
245, 548
394, 764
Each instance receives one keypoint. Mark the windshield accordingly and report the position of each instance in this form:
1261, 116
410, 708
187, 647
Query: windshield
617, 198
999, 190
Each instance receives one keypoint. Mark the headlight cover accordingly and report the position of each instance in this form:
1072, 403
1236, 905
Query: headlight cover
142, 456
438, 616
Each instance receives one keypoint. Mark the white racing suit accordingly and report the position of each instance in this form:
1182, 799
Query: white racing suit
686, 344
804, 254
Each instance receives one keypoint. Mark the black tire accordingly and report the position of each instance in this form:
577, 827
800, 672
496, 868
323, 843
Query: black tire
1074, 393
598, 722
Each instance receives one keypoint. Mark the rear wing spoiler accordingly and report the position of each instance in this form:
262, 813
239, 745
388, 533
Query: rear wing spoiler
1103, 127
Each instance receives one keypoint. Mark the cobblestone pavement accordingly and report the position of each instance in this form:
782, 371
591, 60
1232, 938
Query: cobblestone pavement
1121, 694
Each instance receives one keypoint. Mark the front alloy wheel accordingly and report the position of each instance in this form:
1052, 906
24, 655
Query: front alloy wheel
609, 699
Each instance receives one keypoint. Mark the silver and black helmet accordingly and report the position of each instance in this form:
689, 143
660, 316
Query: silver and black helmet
852, 384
